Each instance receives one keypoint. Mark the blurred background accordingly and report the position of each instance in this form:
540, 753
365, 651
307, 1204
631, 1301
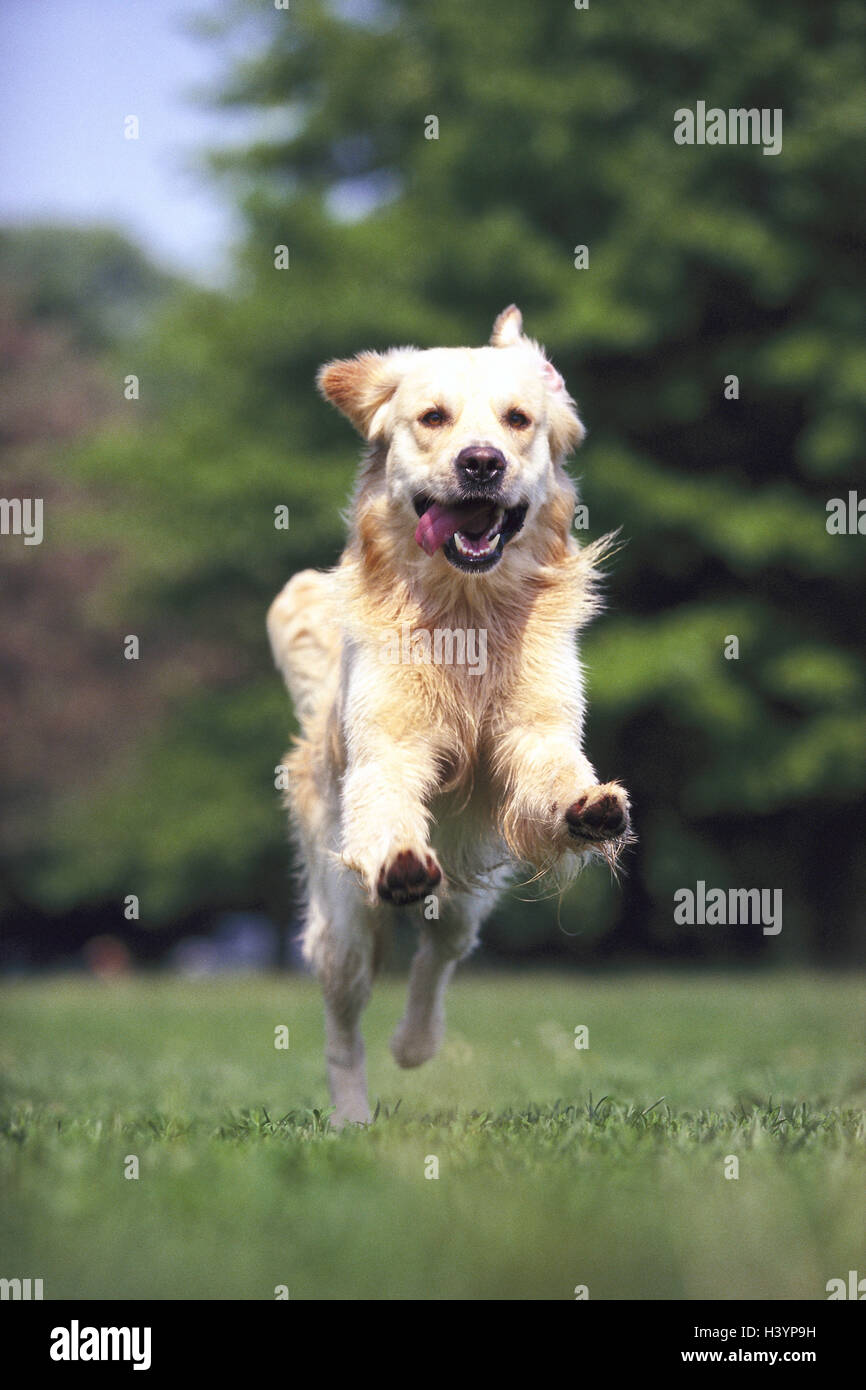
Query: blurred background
155, 258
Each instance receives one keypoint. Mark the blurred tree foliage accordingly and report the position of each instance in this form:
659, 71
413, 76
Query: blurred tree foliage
90, 280
555, 130
67, 706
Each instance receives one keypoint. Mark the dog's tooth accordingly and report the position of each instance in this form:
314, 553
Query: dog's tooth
476, 552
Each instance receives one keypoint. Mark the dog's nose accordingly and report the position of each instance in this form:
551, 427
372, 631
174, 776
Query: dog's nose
480, 463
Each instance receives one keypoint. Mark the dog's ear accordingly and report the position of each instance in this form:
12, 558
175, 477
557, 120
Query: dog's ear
508, 328
564, 426
362, 386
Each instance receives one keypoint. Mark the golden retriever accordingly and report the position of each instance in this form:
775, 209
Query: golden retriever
436, 680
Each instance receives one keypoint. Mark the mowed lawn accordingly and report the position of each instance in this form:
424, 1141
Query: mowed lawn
557, 1167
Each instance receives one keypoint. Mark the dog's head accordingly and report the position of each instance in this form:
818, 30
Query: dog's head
471, 439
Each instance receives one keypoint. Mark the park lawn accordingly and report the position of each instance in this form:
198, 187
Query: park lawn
602, 1167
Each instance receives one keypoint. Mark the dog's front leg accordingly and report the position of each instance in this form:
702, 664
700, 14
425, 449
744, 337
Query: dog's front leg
385, 814
551, 798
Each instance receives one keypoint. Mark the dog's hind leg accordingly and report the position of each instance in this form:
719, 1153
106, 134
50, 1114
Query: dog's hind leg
443, 943
344, 942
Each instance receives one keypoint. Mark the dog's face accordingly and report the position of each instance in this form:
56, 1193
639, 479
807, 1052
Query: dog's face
472, 437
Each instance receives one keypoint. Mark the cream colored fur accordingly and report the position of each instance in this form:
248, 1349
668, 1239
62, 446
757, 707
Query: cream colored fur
434, 781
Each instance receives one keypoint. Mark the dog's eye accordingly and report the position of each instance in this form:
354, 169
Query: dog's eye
433, 418
518, 419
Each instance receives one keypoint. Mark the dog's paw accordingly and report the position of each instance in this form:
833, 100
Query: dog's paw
599, 813
406, 877
412, 1047
344, 1117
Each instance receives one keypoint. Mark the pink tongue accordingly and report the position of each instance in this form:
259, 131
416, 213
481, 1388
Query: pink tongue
438, 524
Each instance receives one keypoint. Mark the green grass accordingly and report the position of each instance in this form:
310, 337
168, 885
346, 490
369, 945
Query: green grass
557, 1167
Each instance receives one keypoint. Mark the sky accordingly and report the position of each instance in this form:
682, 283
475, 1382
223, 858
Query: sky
71, 71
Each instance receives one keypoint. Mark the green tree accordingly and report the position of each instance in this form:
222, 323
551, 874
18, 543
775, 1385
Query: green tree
555, 131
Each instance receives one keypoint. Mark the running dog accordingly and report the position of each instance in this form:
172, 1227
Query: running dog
436, 680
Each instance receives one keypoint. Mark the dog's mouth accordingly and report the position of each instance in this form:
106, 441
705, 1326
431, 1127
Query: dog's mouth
472, 531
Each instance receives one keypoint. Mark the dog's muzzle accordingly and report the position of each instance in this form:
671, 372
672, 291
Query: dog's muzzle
471, 531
